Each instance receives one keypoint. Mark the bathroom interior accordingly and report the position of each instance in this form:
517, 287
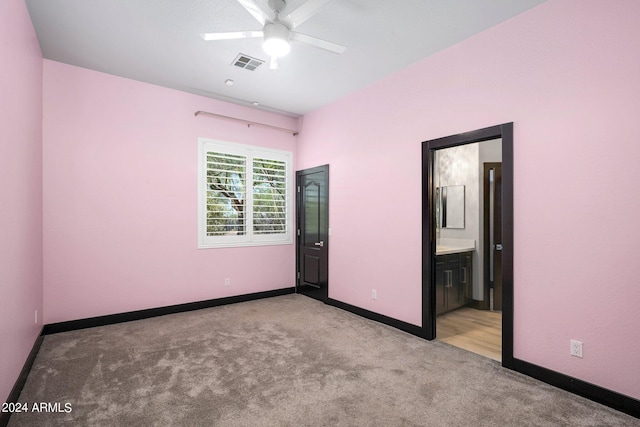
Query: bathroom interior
468, 258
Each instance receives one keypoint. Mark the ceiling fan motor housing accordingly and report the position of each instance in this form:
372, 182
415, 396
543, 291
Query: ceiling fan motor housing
277, 5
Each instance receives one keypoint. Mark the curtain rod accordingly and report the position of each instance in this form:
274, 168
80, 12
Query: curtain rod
249, 123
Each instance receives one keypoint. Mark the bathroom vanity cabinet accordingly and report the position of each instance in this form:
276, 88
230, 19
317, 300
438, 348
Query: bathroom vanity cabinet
454, 273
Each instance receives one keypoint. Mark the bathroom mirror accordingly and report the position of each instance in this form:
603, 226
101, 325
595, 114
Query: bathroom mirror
450, 206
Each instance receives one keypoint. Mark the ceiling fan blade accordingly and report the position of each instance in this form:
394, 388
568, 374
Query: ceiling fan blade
273, 64
304, 12
261, 15
316, 42
231, 35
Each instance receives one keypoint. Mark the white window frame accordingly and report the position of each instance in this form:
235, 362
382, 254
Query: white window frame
206, 145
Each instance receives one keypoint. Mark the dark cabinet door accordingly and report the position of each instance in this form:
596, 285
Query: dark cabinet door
441, 294
453, 281
455, 292
466, 275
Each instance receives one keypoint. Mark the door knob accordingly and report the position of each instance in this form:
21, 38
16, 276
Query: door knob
321, 243
498, 246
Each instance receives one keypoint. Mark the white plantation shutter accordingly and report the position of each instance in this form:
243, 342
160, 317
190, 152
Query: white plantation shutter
269, 196
244, 195
226, 180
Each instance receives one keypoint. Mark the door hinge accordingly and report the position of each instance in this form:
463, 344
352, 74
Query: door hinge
298, 188
298, 231
298, 275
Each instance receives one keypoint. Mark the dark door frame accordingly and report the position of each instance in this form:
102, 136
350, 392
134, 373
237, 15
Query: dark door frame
504, 132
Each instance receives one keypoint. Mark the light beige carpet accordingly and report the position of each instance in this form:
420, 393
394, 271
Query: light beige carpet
284, 361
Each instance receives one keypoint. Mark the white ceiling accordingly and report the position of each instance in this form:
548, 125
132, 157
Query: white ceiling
158, 41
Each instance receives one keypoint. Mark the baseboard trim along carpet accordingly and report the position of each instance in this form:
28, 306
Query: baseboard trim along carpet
22, 378
381, 318
111, 319
598, 394
288, 360
617, 401
609, 398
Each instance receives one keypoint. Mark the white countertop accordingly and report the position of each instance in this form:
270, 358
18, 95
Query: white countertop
445, 250
454, 246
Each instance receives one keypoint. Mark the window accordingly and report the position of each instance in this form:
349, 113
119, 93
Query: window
244, 195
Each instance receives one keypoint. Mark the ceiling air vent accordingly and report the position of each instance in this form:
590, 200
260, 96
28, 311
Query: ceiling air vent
247, 62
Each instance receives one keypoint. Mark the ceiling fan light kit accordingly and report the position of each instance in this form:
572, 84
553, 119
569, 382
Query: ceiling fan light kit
277, 33
276, 39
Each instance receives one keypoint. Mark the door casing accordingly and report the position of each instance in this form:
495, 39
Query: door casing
505, 133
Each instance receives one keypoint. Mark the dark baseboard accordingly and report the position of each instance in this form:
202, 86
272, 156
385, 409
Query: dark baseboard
22, 379
72, 325
590, 391
395, 323
111, 319
609, 398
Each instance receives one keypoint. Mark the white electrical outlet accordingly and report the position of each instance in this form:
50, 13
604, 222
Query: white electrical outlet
227, 282
374, 294
576, 348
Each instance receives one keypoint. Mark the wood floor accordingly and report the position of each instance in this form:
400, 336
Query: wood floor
478, 331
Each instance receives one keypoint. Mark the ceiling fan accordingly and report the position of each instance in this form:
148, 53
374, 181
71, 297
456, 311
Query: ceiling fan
276, 31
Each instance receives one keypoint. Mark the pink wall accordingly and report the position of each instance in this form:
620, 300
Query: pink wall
566, 73
120, 198
20, 191
119, 167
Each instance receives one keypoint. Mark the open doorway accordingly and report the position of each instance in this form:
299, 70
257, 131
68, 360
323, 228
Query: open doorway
468, 284
467, 241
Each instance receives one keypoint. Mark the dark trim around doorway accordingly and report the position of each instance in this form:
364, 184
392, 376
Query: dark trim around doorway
593, 392
504, 132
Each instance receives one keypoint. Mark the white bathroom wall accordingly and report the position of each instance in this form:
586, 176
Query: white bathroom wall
459, 166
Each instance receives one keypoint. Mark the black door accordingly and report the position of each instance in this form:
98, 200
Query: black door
312, 247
